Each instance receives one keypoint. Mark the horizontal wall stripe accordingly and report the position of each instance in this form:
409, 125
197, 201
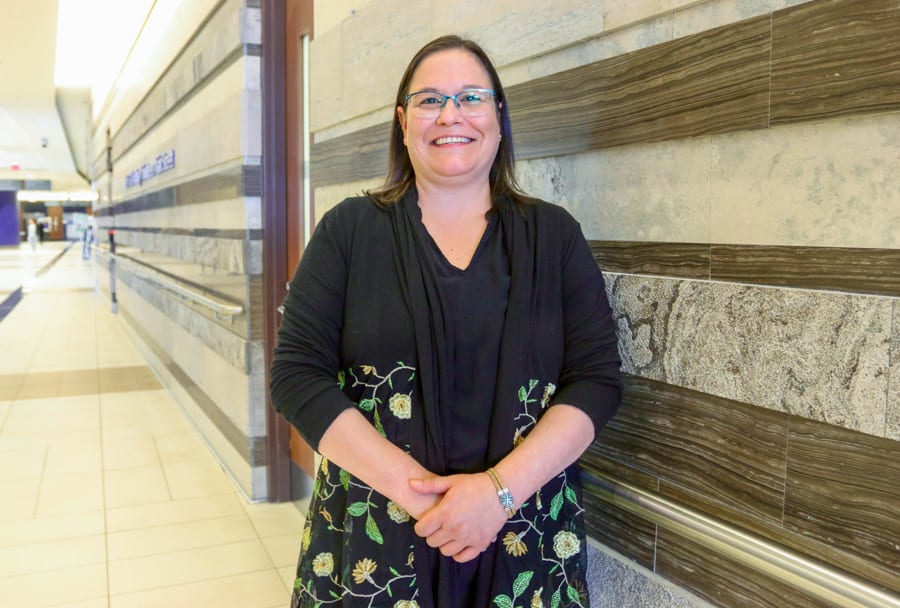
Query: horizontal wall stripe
233, 182
218, 233
834, 58
251, 449
858, 270
716, 81
252, 49
764, 471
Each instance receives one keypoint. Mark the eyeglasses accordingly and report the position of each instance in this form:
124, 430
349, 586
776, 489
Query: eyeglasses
470, 102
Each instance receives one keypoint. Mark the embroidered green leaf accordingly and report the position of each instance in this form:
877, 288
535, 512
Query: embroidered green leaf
391, 382
411, 376
503, 601
334, 595
571, 495
521, 584
553, 569
573, 594
523, 394
357, 508
393, 571
388, 589
556, 506
345, 479
372, 531
298, 583
378, 426
555, 599
341, 380
531, 384
367, 405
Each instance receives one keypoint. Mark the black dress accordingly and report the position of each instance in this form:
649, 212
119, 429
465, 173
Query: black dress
455, 367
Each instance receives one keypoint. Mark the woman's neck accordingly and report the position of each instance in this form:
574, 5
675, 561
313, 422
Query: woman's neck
456, 204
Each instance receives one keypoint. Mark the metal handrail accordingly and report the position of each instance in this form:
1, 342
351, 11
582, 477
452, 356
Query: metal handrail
802, 573
219, 309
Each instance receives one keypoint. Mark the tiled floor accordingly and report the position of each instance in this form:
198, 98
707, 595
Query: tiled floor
108, 499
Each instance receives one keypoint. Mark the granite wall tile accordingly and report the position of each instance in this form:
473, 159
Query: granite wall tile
798, 185
835, 57
822, 356
893, 402
721, 580
616, 582
843, 489
620, 14
218, 255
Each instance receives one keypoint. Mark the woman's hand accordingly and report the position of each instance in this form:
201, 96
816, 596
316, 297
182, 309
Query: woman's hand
466, 520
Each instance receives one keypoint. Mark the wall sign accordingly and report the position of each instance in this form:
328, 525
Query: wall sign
163, 162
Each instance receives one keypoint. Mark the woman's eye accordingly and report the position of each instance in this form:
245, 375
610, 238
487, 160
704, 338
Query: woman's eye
429, 100
472, 98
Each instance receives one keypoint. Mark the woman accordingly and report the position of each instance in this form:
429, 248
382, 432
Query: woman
448, 347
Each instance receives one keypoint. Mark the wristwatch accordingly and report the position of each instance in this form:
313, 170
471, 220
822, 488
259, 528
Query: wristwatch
506, 497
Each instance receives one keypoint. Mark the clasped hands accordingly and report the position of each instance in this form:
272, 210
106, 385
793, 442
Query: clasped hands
458, 514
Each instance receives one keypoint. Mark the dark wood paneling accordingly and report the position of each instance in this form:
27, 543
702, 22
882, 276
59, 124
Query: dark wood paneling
712, 82
874, 271
834, 58
843, 489
359, 155
853, 269
684, 260
727, 451
721, 580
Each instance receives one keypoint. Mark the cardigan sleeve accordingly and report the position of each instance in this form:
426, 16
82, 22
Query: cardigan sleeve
590, 379
304, 373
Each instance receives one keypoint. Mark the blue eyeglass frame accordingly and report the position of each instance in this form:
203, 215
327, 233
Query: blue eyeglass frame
490, 92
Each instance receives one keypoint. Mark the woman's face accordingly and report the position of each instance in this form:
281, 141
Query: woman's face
451, 148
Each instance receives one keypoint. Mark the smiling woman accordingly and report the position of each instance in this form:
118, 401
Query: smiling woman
448, 347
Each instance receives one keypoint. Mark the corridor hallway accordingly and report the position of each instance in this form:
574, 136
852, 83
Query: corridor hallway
108, 498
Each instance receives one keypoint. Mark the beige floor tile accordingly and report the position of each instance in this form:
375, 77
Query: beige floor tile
126, 453
167, 569
69, 585
283, 549
288, 575
134, 486
68, 459
26, 424
145, 430
172, 512
276, 519
48, 439
193, 479
254, 590
19, 498
70, 494
180, 447
57, 527
178, 537
102, 602
22, 463
53, 555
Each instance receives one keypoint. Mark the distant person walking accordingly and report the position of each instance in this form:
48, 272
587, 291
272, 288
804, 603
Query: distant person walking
32, 234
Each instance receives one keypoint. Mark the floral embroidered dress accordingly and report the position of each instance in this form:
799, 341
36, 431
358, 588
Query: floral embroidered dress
455, 367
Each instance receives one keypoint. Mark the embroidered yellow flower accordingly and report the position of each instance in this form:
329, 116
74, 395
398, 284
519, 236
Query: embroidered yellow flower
323, 564
518, 437
514, 545
548, 392
401, 406
307, 536
397, 513
363, 571
566, 544
406, 604
409, 560
368, 369
536, 601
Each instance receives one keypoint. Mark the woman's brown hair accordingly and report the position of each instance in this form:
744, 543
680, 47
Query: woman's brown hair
401, 176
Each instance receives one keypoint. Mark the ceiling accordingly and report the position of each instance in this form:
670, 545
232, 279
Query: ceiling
28, 113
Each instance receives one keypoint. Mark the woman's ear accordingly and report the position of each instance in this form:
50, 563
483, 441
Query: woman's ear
401, 118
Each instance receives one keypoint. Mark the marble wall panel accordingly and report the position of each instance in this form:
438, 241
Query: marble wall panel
723, 581
826, 61
685, 260
361, 155
843, 489
620, 14
633, 193
822, 356
893, 404
327, 197
807, 184
217, 42
230, 214
616, 582
216, 254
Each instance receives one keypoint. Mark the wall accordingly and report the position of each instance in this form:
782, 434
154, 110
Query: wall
190, 95
9, 219
734, 166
